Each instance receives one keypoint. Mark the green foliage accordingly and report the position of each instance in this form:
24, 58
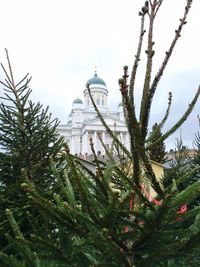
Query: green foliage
157, 153
179, 165
107, 218
183, 168
28, 138
196, 165
86, 227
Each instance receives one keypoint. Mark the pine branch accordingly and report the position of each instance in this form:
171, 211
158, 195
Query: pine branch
188, 175
92, 176
124, 177
145, 96
160, 125
151, 176
136, 62
132, 125
25, 251
186, 196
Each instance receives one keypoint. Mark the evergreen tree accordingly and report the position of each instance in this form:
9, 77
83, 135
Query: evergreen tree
157, 153
87, 222
197, 150
28, 137
179, 165
184, 165
196, 165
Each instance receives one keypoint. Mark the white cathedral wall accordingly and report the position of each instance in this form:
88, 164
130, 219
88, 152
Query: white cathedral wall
85, 143
78, 138
77, 117
85, 124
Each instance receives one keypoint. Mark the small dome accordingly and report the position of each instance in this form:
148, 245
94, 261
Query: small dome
78, 101
69, 122
95, 80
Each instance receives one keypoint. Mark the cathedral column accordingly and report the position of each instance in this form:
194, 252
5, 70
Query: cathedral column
104, 140
81, 141
87, 141
72, 149
95, 141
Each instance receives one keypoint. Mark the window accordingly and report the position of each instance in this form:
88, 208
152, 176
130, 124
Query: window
98, 101
102, 100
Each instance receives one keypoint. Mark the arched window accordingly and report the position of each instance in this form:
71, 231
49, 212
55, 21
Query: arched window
98, 99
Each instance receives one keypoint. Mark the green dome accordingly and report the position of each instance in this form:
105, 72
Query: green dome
95, 80
78, 101
69, 122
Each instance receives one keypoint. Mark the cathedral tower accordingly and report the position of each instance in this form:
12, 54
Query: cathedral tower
99, 93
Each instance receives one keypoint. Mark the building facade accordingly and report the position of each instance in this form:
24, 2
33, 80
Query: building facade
83, 122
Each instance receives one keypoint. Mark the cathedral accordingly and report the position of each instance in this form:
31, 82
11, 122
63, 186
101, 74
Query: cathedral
83, 122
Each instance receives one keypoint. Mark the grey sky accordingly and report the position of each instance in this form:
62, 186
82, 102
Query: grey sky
60, 42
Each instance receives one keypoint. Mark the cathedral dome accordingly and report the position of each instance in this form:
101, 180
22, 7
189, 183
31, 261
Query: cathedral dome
95, 80
69, 123
77, 101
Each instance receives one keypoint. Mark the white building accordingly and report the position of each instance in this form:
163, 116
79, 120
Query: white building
84, 123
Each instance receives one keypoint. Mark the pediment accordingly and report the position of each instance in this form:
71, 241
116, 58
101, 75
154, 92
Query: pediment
110, 121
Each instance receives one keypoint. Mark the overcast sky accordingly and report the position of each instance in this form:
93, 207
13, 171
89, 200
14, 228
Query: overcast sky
59, 42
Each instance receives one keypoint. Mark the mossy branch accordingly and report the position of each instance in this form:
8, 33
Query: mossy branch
144, 114
136, 62
132, 125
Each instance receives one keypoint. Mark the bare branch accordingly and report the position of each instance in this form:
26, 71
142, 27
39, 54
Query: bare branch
10, 68
158, 6
6, 73
179, 123
168, 54
167, 111
136, 62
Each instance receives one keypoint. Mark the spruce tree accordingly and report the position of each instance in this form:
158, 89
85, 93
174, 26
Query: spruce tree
157, 153
197, 150
179, 165
28, 137
89, 223
196, 165
184, 165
